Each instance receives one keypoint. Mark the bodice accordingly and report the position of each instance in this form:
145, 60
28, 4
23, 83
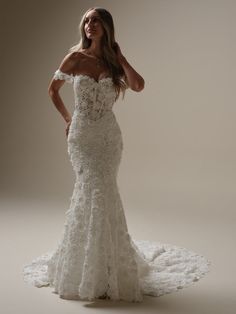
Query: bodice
92, 98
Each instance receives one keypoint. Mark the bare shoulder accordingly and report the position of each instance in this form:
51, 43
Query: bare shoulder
81, 55
70, 61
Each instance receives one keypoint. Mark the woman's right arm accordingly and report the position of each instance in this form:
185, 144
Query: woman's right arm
67, 65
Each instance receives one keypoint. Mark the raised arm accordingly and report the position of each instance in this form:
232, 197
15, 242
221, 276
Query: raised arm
133, 79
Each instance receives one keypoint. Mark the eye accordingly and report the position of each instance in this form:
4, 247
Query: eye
93, 19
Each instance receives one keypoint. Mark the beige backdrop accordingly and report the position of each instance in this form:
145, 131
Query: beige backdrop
177, 175
178, 132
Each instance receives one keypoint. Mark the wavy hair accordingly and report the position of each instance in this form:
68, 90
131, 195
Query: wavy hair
108, 46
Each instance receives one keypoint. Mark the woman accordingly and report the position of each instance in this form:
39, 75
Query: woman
96, 257
96, 55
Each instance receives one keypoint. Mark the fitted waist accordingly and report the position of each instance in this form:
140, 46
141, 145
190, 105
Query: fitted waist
93, 117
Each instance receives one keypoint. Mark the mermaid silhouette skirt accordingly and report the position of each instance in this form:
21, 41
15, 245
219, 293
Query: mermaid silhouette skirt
95, 254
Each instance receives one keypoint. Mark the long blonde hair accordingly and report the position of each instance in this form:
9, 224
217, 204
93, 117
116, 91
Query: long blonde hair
108, 45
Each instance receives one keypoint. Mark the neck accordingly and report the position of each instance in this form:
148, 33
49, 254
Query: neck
95, 48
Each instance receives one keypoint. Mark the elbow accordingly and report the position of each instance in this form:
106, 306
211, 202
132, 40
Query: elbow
51, 91
139, 86
53, 94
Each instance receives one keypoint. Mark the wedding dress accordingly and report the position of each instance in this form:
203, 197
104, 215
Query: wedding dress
96, 255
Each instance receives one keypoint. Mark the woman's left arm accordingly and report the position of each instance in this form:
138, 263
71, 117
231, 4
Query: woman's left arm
133, 79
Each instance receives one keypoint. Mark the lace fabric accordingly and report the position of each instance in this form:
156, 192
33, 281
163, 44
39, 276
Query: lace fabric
92, 99
59, 75
95, 253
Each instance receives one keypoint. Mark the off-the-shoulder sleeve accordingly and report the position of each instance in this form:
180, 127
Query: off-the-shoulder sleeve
59, 75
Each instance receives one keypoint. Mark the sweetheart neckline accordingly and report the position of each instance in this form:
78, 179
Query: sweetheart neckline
84, 75
92, 78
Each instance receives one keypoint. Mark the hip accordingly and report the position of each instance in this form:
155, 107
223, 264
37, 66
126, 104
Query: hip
84, 128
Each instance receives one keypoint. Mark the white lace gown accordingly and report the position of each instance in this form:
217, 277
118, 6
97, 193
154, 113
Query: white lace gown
96, 254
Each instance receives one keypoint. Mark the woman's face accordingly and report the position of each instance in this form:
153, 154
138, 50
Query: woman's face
93, 25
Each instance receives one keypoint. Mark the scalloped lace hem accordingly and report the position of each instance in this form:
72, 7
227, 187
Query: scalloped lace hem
170, 268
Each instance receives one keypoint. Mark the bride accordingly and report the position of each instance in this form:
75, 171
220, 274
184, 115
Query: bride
99, 56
